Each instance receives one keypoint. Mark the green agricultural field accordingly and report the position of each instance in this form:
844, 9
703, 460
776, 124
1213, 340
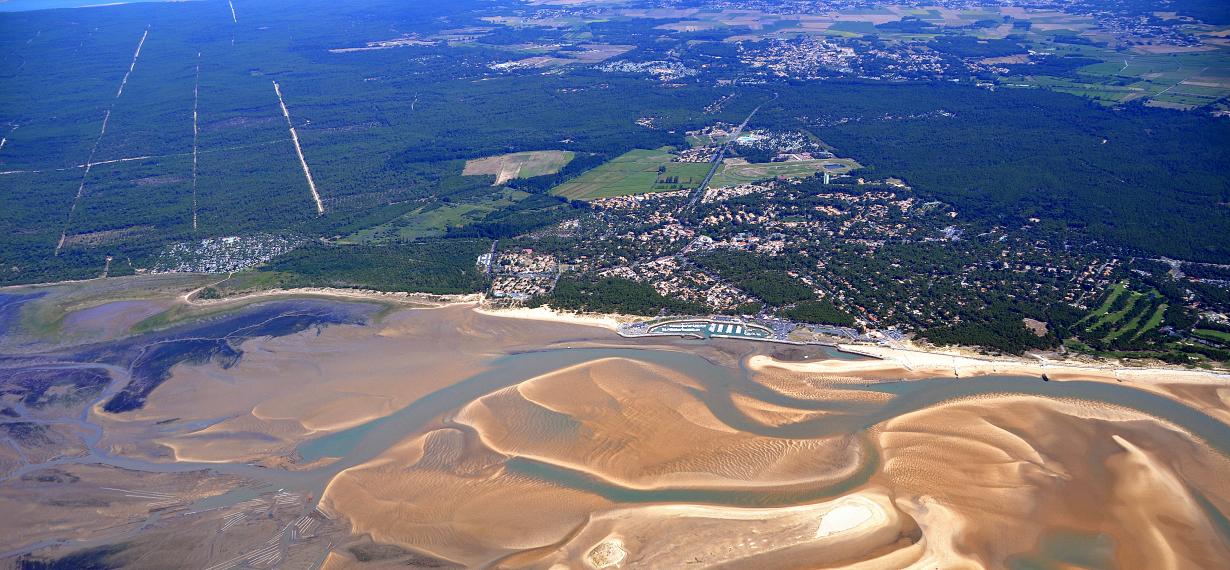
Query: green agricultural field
1107, 94
853, 28
1185, 79
634, 172
733, 173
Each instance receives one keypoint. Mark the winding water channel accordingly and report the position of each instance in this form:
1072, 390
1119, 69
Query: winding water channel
362, 443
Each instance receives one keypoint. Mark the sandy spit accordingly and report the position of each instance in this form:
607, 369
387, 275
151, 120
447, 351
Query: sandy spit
911, 363
333, 292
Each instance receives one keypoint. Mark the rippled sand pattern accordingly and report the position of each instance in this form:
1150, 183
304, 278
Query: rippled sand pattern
445, 437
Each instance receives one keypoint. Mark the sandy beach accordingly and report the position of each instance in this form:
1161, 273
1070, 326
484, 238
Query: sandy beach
913, 363
544, 313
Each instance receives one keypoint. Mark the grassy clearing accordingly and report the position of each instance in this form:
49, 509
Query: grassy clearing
1134, 325
1218, 336
733, 173
434, 219
1155, 320
1115, 291
506, 167
1113, 318
1125, 314
634, 172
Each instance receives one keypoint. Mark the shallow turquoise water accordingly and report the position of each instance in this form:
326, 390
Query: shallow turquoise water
1059, 549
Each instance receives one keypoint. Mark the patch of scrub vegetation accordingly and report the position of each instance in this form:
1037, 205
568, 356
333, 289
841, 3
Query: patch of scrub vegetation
637, 171
528, 164
243, 282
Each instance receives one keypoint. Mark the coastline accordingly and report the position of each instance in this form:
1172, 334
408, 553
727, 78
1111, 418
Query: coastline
929, 363
544, 313
302, 387
911, 362
914, 361
191, 299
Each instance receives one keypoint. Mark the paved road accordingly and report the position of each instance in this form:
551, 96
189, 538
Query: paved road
699, 192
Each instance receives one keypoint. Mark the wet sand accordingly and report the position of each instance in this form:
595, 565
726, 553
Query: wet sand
992, 476
288, 389
450, 436
859, 526
638, 426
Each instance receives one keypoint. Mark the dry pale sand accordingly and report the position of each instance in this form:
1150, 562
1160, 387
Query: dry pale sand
807, 385
1207, 391
638, 426
448, 494
440, 495
990, 476
973, 483
544, 313
191, 297
910, 363
862, 527
775, 415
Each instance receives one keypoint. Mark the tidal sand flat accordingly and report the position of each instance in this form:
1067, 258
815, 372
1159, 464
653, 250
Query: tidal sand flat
607, 418
359, 434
